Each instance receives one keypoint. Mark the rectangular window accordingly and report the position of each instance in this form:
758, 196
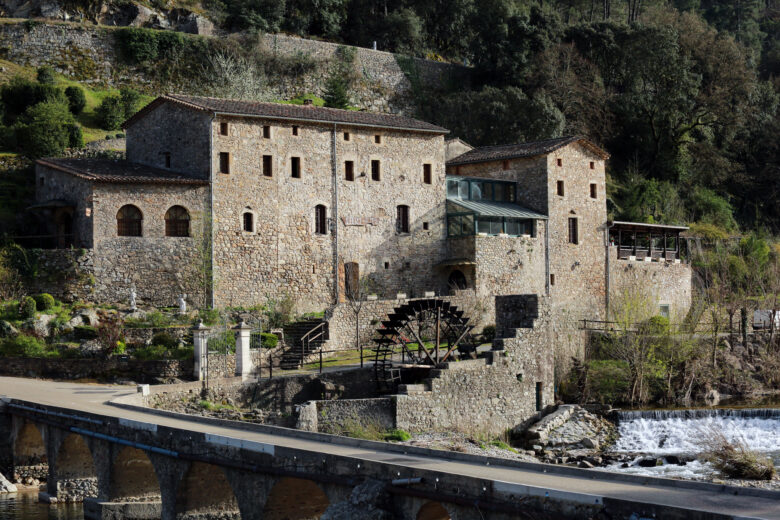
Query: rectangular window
378, 139
346, 136
167, 159
664, 310
552, 279
349, 170
402, 219
427, 176
266, 132
295, 130
295, 167
593, 191
559, 162
560, 188
268, 168
592, 165
573, 232
426, 227
539, 402
224, 162
223, 129
375, 170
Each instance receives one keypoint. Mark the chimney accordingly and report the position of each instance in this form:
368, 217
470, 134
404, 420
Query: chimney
307, 102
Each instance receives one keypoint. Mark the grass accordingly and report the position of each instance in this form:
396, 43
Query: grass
214, 407
734, 459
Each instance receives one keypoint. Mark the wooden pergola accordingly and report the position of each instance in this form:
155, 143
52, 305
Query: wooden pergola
655, 241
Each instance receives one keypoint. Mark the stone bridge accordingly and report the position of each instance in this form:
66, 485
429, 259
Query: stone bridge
130, 463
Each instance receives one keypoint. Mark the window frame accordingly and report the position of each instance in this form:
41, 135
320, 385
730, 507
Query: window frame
224, 128
427, 173
247, 214
295, 130
296, 167
126, 227
574, 231
174, 226
268, 166
594, 190
349, 171
376, 170
320, 220
266, 131
402, 219
224, 163
560, 188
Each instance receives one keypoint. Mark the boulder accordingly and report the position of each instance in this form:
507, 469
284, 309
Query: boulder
6, 486
589, 443
367, 502
189, 22
40, 324
7, 330
89, 317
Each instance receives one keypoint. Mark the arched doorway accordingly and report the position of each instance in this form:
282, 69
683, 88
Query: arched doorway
133, 475
457, 280
205, 490
295, 499
63, 228
433, 511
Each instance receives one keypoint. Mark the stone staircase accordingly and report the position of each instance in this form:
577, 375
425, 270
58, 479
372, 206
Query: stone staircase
298, 348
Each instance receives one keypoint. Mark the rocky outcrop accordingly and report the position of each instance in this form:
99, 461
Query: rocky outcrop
367, 502
6, 486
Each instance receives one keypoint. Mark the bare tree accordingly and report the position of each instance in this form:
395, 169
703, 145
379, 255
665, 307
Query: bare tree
356, 290
230, 76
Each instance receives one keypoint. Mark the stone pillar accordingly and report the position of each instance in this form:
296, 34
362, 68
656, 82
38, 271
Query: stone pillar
243, 357
6, 443
199, 341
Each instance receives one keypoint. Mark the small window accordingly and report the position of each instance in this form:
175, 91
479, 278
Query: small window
592, 165
295, 167
402, 219
177, 222
505, 165
224, 129
295, 130
378, 139
346, 136
349, 170
41, 181
375, 170
552, 279
427, 176
167, 159
593, 191
268, 166
664, 310
560, 189
573, 232
559, 162
320, 220
224, 162
426, 226
266, 132
249, 222
387, 265
129, 220
539, 400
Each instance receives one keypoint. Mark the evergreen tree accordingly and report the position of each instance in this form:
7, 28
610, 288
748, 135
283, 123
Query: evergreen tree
336, 91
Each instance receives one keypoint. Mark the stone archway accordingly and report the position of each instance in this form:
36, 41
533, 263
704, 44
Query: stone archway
433, 511
133, 477
74, 470
295, 499
29, 449
205, 490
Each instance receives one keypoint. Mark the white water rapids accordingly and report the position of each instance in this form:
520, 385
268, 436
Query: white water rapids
679, 432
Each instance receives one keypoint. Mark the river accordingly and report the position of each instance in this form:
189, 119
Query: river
25, 506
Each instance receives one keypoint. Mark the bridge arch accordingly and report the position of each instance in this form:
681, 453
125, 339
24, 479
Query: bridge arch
133, 475
205, 489
295, 499
29, 448
433, 511
74, 459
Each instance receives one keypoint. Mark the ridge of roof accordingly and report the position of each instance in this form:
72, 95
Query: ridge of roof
283, 111
519, 150
118, 171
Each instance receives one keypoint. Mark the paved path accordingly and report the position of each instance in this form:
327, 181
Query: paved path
93, 398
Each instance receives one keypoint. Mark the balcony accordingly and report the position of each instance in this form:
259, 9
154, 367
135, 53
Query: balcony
646, 242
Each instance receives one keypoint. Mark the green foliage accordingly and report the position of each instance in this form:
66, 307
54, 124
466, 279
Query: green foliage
268, 340
398, 436
19, 94
608, 380
26, 346
115, 109
46, 129
146, 45
150, 353
77, 100
656, 325
84, 332
488, 333
336, 93
27, 307
44, 301
182, 353
209, 317
45, 75
164, 339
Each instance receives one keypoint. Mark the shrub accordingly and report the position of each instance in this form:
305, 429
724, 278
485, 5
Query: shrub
734, 459
76, 99
19, 94
75, 136
397, 435
137, 45
608, 380
165, 340
109, 333
182, 353
27, 307
656, 325
158, 320
110, 113
24, 346
488, 333
45, 75
44, 302
268, 340
150, 353
45, 130
84, 332
209, 316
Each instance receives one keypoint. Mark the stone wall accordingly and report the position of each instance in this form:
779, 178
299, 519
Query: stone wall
66, 274
90, 53
348, 415
665, 283
56, 185
103, 369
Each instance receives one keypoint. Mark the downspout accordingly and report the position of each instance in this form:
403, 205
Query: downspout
547, 256
606, 269
335, 214
210, 301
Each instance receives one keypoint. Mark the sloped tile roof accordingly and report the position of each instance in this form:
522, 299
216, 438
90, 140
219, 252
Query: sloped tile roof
118, 172
516, 151
496, 209
291, 112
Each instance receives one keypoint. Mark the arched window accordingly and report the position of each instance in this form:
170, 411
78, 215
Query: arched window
402, 219
457, 280
249, 222
128, 221
320, 220
177, 222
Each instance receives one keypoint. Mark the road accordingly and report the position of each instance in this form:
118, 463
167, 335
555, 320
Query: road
93, 398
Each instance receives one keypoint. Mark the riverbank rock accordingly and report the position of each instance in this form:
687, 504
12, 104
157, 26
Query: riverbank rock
6, 486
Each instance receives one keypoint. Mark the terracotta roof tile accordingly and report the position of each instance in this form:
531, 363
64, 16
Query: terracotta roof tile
516, 151
292, 112
118, 172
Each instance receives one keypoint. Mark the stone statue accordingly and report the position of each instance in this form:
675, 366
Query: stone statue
133, 306
182, 304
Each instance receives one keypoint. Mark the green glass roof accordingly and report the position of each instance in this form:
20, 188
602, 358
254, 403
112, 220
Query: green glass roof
495, 209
